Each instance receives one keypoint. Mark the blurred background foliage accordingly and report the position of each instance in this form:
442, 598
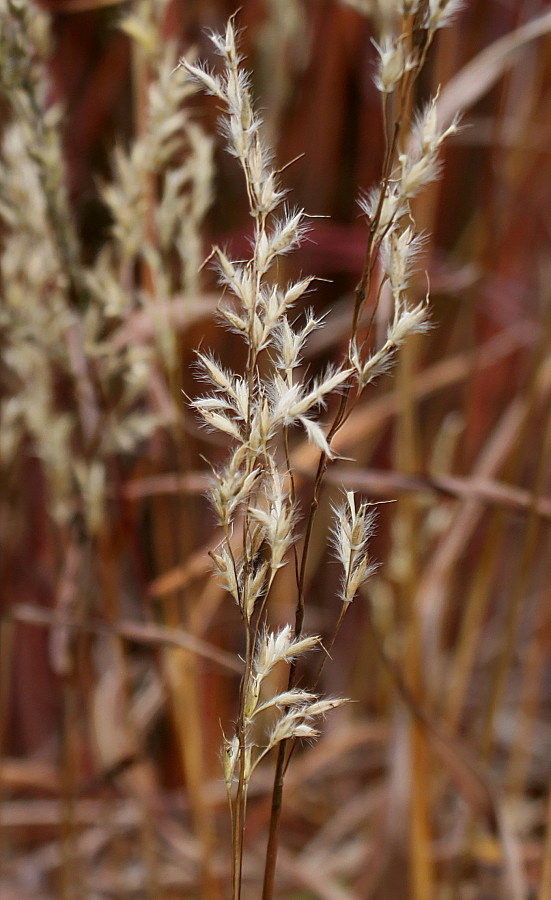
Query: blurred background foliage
118, 650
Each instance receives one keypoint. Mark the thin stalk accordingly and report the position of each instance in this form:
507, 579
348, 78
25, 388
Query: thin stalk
407, 458
241, 793
238, 823
518, 588
293, 495
530, 533
475, 606
275, 820
536, 658
141, 71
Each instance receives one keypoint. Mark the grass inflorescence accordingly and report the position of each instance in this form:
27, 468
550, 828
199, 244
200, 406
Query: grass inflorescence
227, 669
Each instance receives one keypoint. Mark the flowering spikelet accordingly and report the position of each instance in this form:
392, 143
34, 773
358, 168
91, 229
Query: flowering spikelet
297, 721
393, 64
281, 646
274, 648
441, 12
351, 532
277, 520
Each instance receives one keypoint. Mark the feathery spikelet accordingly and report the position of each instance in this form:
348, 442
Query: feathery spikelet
351, 533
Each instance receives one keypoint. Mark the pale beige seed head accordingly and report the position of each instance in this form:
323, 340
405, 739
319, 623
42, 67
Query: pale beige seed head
393, 64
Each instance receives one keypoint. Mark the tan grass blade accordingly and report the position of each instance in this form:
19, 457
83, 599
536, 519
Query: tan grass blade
482, 72
432, 588
132, 631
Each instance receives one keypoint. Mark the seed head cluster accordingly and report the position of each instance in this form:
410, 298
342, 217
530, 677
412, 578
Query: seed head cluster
62, 319
255, 409
252, 493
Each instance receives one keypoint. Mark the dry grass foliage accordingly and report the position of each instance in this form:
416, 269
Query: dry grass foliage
141, 626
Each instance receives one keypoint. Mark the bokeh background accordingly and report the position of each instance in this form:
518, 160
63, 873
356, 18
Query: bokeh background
119, 652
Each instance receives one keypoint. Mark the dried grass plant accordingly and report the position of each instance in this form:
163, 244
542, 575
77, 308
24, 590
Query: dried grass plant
139, 629
254, 494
